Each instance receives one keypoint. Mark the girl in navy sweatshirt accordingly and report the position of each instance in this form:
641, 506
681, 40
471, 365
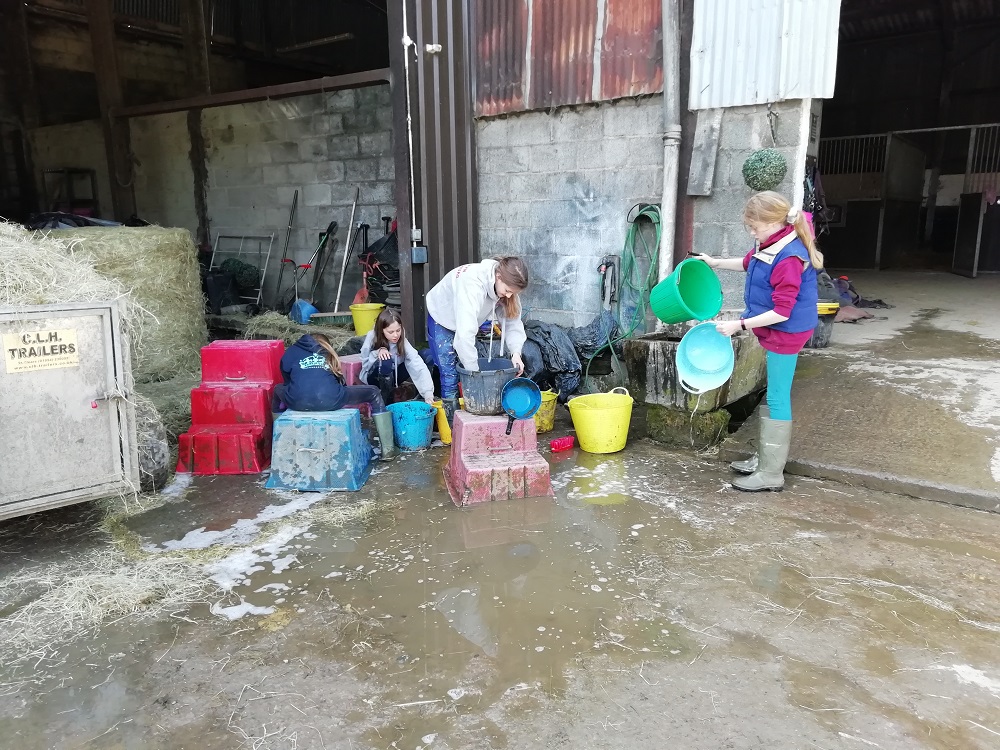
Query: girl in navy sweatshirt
314, 381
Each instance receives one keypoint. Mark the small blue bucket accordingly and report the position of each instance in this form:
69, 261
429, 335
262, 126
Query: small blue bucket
704, 359
412, 423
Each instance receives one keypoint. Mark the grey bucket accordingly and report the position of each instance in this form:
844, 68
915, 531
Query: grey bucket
481, 390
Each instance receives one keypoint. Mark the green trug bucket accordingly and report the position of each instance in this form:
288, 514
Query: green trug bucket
691, 292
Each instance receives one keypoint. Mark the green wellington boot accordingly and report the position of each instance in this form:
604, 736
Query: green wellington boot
775, 438
750, 465
383, 425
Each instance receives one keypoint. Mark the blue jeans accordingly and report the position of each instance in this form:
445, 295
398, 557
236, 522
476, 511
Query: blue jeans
780, 372
442, 344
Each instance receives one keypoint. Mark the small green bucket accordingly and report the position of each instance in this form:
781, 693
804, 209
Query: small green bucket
691, 292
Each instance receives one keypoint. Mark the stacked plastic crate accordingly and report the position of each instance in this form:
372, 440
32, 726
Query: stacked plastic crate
231, 409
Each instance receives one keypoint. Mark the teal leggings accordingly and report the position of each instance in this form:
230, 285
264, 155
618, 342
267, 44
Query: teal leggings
780, 372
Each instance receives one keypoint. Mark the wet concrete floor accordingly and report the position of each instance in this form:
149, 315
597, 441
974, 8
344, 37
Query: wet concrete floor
646, 605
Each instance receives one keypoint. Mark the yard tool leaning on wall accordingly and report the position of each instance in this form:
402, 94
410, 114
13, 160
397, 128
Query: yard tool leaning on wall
462, 301
780, 297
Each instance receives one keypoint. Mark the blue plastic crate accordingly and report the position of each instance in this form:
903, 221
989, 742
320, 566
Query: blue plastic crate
315, 451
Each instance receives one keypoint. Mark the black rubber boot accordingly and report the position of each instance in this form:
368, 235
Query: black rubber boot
450, 407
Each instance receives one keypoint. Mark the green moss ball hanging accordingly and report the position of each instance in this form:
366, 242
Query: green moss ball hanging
764, 169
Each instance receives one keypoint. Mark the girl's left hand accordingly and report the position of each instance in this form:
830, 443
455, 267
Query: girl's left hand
383, 354
728, 327
518, 363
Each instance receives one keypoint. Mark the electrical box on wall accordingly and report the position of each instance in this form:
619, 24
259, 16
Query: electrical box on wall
68, 421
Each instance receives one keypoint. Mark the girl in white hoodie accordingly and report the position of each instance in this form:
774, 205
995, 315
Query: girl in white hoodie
462, 301
388, 358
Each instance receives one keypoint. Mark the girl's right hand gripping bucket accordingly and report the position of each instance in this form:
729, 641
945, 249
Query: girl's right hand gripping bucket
412, 424
691, 292
602, 420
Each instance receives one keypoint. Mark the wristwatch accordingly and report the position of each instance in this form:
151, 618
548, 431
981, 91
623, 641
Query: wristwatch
743, 323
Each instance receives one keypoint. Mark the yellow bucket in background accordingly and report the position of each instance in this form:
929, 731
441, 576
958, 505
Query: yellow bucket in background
545, 417
602, 420
364, 316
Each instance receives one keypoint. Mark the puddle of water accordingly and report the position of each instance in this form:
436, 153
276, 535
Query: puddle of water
444, 612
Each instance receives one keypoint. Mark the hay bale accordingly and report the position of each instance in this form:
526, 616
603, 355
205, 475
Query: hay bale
172, 401
160, 268
36, 269
154, 451
272, 325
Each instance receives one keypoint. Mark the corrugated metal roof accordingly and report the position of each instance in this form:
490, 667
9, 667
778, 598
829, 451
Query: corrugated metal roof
536, 54
758, 51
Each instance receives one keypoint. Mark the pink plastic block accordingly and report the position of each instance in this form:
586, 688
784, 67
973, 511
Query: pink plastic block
351, 364
500, 476
474, 435
240, 361
216, 404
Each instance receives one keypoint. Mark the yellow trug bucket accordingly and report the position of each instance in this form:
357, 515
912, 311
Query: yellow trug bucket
545, 417
601, 420
364, 316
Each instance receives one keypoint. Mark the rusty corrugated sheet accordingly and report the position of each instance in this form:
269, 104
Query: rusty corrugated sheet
500, 38
632, 51
538, 54
561, 54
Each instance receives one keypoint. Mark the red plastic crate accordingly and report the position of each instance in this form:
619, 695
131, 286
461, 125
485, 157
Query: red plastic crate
242, 362
224, 450
215, 404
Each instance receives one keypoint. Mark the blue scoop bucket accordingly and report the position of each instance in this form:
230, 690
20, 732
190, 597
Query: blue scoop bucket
704, 359
520, 399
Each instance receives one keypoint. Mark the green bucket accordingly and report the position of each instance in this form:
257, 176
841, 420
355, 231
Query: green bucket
691, 292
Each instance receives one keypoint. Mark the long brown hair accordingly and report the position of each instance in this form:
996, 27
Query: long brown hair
386, 318
772, 208
512, 271
329, 353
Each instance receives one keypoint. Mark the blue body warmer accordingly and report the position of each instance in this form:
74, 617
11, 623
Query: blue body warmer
758, 290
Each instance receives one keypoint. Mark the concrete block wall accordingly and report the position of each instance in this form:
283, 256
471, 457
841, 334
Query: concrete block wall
326, 146
164, 179
80, 144
718, 218
556, 189
151, 71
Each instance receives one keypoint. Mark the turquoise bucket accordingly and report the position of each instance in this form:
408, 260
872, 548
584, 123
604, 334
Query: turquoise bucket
412, 423
704, 359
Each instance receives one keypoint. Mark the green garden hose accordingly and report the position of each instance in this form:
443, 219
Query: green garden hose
634, 287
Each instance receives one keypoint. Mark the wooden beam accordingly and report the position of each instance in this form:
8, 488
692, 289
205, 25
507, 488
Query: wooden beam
15, 55
196, 46
100, 19
299, 88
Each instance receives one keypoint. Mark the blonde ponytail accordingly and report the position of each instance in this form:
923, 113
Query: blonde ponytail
332, 360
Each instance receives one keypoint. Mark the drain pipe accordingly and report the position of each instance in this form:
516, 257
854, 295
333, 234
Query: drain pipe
671, 134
